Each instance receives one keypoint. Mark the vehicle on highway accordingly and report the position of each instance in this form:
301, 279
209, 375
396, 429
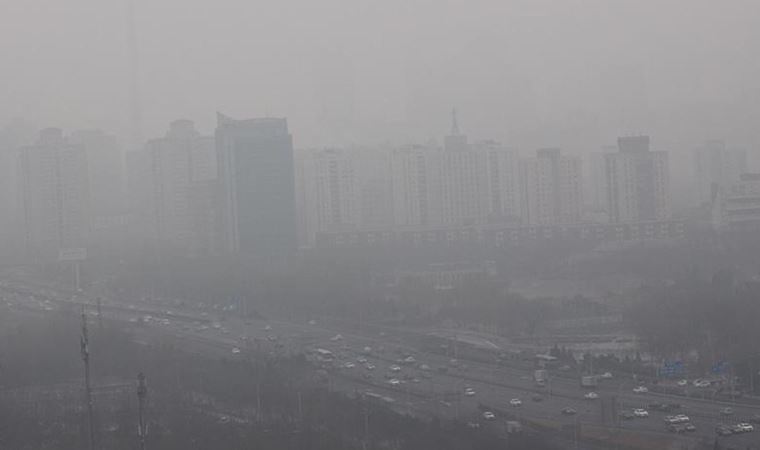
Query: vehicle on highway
361, 360
677, 428
268, 328
641, 413
755, 419
680, 418
723, 430
689, 427
425, 367
606, 375
568, 411
488, 415
394, 382
312, 322
515, 402
395, 368
369, 366
537, 398
591, 396
409, 360
473, 425
701, 383
683, 383
469, 392
745, 427
336, 338
235, 350
349, 365
727, 411
627, 415
640, 390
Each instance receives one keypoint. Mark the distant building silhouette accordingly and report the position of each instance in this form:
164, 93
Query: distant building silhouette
638, 182
552, 188
55, 194
257, 179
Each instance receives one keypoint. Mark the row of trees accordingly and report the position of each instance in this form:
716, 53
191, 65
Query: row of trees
708, 322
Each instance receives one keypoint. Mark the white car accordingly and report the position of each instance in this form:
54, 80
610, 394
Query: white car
591, 396
361, 360
469, 392
369, 366
488, 415
640, 390
515, 402
349, 365
745, 427
607, 375
267, 328
395, 368
235, 350
683, 383
337, 337
410, 360
702, 384
312, 322
394, 382
642, 413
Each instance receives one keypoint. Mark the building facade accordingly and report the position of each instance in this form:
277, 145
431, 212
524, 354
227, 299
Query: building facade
257, 182
638, 182
551, 186
54, 195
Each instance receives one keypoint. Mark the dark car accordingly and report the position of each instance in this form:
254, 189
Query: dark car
677, 428
537, 398
755, 419
627, 415
722, 430
690, 427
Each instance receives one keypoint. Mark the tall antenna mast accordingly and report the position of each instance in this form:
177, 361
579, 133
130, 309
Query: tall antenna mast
135, 106
84, 342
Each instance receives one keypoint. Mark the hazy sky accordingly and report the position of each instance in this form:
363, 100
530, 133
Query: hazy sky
571, 73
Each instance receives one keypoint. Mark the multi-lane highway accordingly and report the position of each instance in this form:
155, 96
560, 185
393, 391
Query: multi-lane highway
429, 383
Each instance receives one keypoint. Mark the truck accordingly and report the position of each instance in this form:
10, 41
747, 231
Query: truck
541, 376
589, 381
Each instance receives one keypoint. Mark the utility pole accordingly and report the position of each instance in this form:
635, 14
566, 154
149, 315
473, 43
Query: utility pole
142, 393
84, 343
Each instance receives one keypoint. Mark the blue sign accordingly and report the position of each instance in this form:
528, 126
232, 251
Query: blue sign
672, 368
720, 367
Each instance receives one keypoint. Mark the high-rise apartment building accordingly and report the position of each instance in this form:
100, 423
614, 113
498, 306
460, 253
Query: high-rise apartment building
503, 186
716, 166
551, 188
54, 194
638, 182
257, 182
415, 186
105, 171
166, 178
